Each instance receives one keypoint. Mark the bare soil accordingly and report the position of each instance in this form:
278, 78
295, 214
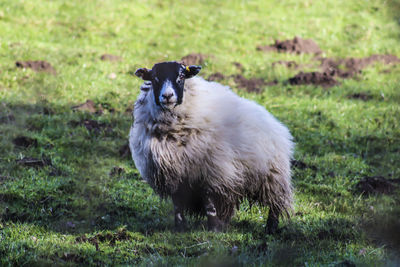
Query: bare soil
239, 66
317, 78
348, 67
38, 65
218, 76
252, 85
109, 57
89, 106
194, 59
297, 45
330, 68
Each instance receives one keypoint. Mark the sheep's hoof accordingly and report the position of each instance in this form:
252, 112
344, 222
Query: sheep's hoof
272, 225
215, 225
180, 228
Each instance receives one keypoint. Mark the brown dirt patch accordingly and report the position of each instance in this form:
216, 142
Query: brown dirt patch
377, 185
33, 162
297, 45
109, 57
89, 106
239, 66
317, 78
24, 141
361, 96
216, 77
194, 59
349, 67
252, 85
288, 64
340, 68
38, 65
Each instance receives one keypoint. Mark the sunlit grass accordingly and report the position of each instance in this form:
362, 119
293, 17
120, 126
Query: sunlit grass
46, 211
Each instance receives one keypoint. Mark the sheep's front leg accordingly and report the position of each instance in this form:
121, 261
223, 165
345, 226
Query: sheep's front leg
213, 222
272, 222
180, 221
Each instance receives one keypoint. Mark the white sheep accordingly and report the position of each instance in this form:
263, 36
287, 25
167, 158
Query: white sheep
201, 144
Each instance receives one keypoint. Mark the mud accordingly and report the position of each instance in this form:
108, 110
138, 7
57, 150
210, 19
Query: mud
297, 46
340, 68
349, 67
216, 77
24, 141
89, 106
377, 185
109, 57
330, 68
252, 85
38, 66
316, 78
194, 59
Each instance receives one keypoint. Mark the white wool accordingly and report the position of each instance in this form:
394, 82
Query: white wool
214, 135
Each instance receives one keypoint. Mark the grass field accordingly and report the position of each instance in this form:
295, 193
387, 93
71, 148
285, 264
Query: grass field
69, 196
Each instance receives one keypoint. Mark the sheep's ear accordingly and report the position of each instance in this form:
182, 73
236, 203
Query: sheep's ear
144, 73
191, 71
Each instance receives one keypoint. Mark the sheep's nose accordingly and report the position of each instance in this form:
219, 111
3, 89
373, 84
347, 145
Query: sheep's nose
167, 96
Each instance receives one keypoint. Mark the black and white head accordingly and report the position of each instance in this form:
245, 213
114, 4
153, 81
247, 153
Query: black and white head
168, 81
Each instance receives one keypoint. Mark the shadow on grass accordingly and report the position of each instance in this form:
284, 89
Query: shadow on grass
85, 197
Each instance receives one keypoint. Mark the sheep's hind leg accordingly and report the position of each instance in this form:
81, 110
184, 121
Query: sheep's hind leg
180, 221
213, 222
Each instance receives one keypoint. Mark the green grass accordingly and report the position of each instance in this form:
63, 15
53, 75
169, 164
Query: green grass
74, 211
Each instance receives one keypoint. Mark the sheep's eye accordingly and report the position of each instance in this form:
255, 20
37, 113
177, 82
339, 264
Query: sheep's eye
179, 80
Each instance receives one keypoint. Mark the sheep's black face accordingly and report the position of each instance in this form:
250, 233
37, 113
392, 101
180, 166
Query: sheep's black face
168, 81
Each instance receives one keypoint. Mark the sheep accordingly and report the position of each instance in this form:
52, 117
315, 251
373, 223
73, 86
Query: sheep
209, 149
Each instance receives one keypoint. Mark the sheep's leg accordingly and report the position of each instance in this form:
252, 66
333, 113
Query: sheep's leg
272, 221
213, 222
180, 221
